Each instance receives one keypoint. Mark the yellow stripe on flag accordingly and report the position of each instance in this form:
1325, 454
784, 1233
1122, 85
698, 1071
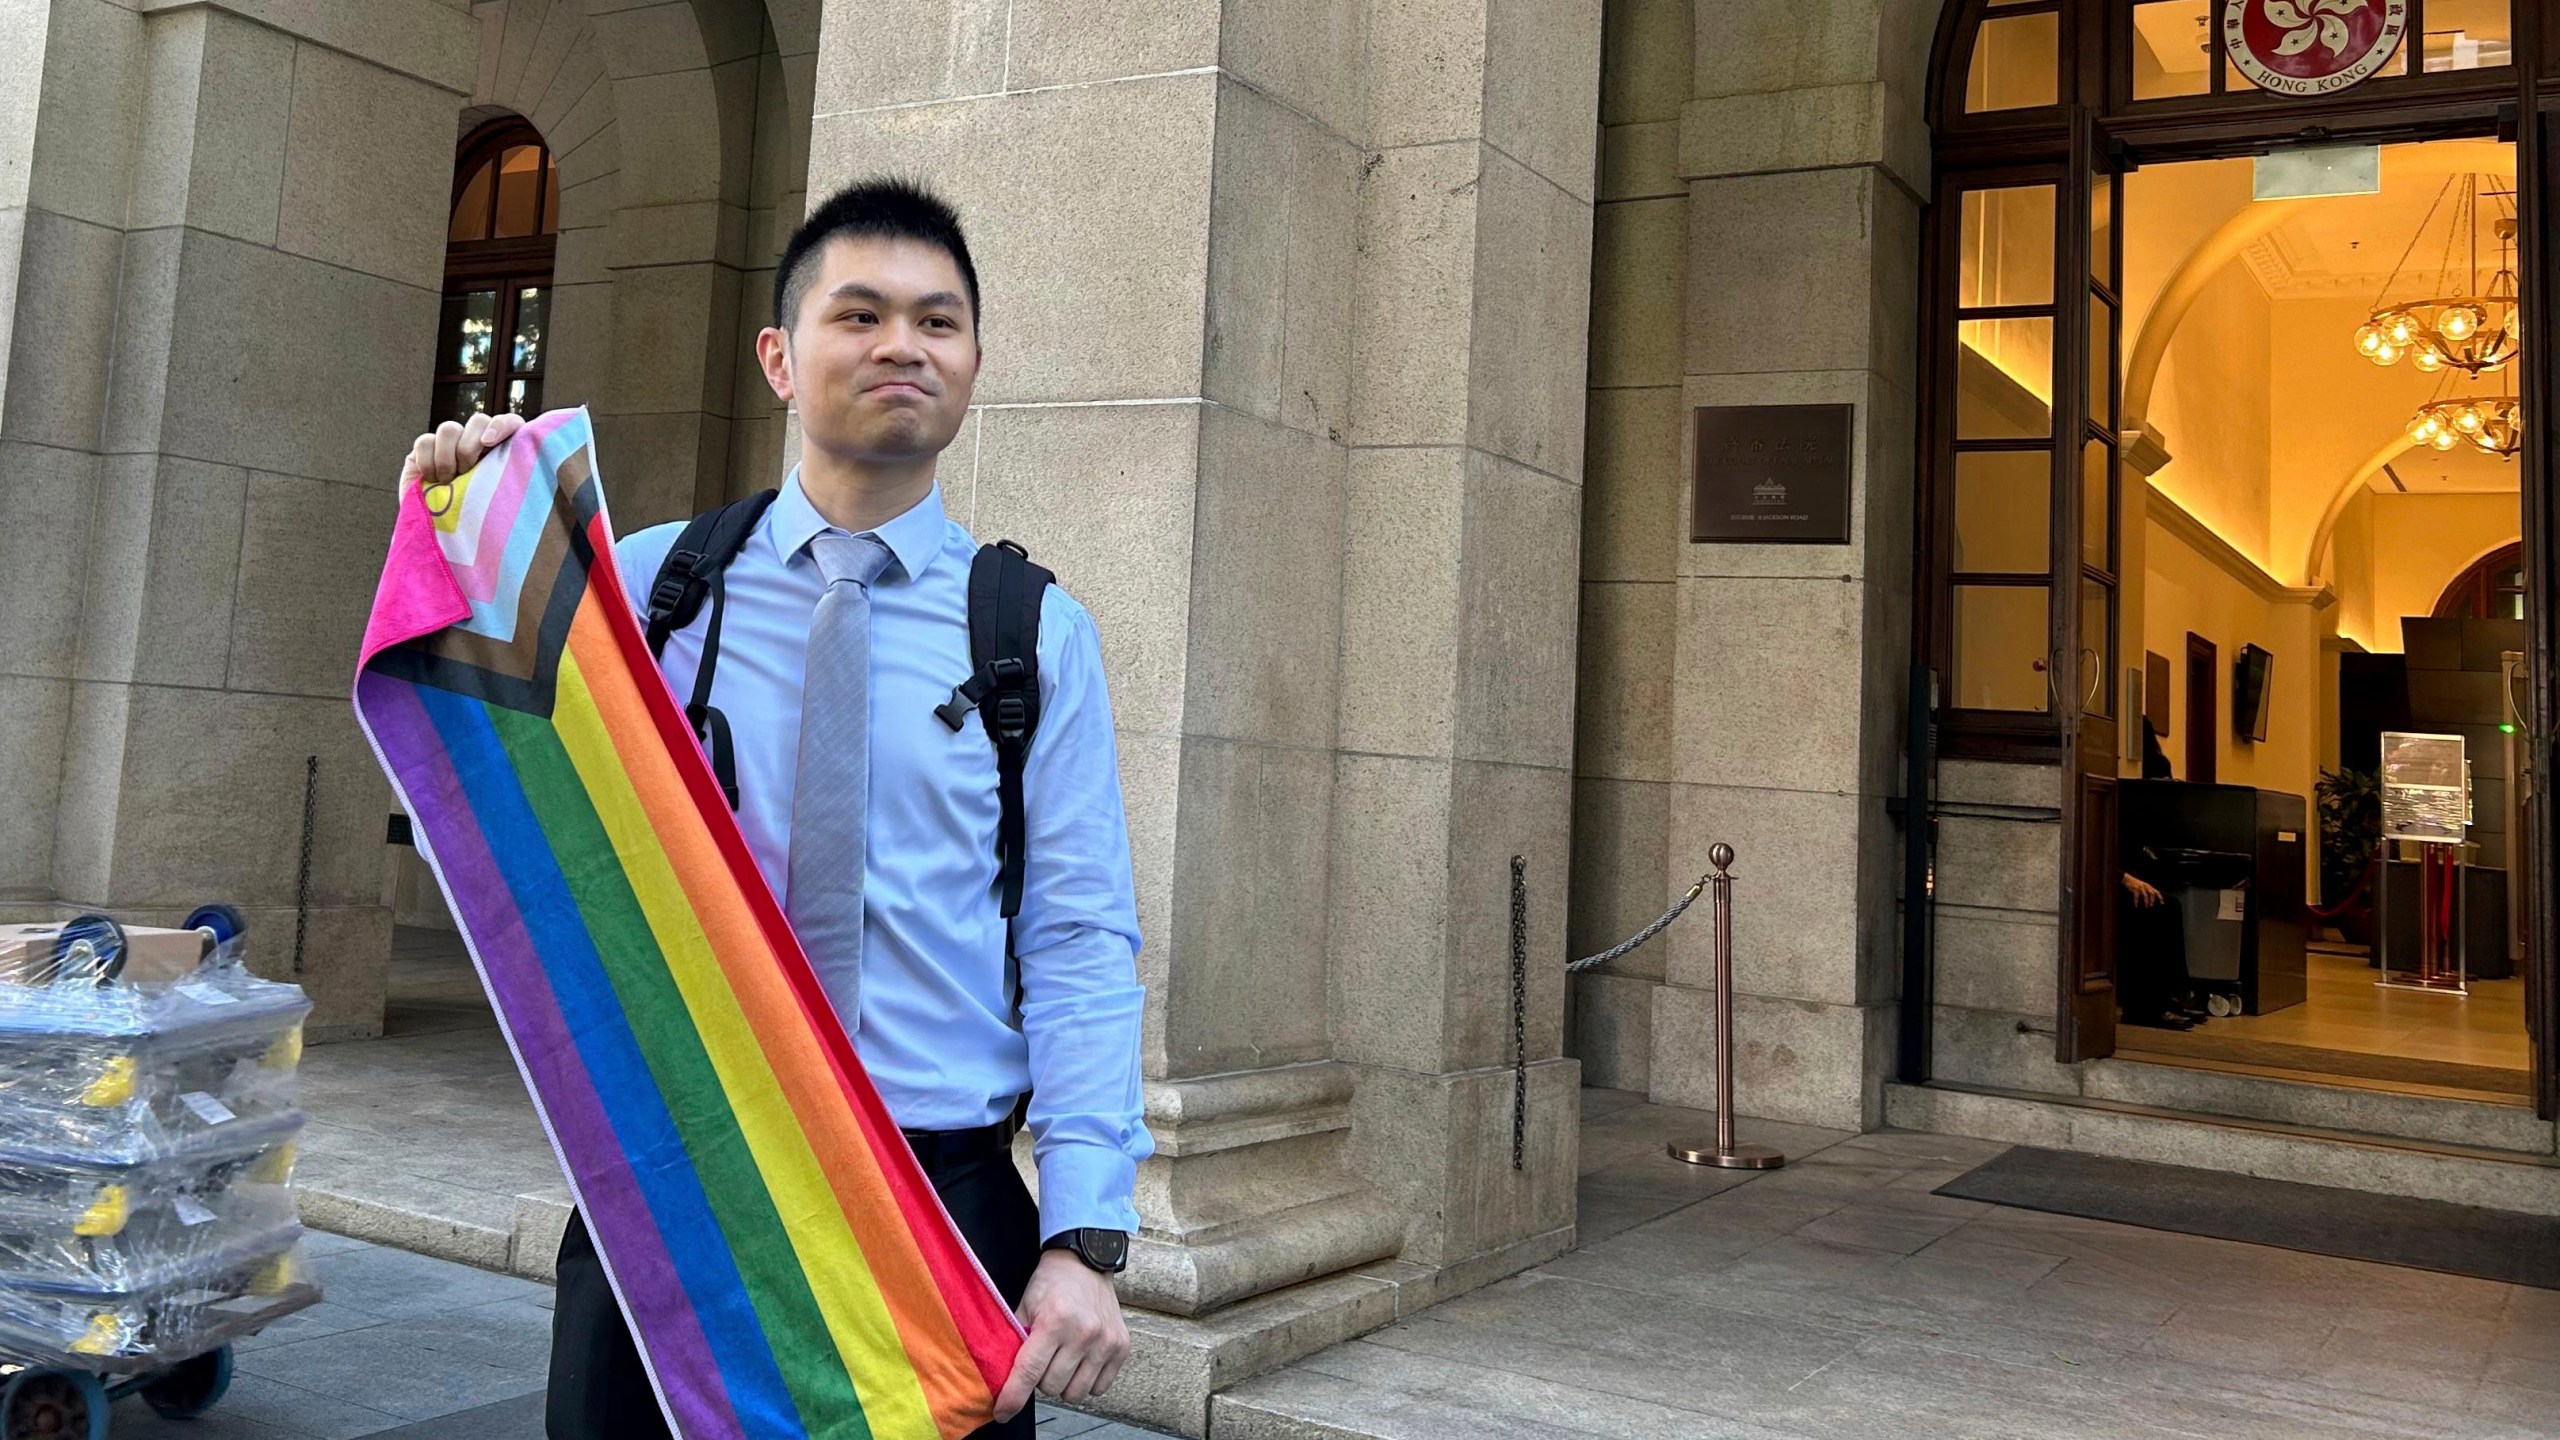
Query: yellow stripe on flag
856, 1312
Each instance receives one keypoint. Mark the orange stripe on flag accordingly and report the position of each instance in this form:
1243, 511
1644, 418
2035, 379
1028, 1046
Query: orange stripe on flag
951, 1378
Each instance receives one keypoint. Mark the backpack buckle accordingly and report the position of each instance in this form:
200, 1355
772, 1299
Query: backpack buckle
674, 579
1013, 717
964, 698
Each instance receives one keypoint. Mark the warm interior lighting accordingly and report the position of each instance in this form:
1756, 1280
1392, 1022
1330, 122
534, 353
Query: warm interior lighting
2468, 324
2492, 424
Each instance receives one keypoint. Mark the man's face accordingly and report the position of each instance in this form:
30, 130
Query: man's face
883, 355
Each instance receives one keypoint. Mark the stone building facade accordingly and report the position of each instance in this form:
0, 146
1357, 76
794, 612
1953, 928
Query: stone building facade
1335, 354
1338, 356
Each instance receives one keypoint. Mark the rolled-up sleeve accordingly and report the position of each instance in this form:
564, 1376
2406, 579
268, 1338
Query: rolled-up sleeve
1076, 940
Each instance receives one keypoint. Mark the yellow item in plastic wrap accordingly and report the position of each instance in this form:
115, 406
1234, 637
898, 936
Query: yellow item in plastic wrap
114, 1084
275, 1167
106, 1214
273, 1276
286, 1052
105, 1336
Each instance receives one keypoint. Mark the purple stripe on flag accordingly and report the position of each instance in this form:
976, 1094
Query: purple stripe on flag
522, 993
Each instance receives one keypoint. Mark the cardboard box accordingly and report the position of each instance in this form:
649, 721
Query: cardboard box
151, 954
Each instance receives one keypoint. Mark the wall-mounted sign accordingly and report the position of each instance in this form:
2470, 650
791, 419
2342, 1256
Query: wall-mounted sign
1771, 473
2312, 47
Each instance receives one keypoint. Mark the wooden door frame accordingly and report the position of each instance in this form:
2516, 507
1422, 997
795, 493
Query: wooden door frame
2203, 712
2538, 210
2092, 78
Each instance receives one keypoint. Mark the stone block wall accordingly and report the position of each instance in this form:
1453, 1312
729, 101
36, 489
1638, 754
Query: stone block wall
1999, 895
225, 247
1284, 375
1633, 514
223, 308
1763, 248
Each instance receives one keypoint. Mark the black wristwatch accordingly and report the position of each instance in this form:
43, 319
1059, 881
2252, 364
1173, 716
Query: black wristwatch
1104, 1250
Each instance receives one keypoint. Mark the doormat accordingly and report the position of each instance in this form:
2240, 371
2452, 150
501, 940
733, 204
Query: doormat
2317, 1219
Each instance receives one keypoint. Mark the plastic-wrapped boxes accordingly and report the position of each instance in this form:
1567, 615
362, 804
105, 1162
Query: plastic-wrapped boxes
147, 1133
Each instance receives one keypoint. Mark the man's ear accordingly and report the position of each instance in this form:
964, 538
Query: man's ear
773, 352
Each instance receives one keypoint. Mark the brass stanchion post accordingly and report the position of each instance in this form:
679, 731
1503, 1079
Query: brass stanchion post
1727, 1153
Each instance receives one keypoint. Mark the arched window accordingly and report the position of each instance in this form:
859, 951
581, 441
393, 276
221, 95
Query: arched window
499, 242
2492, 589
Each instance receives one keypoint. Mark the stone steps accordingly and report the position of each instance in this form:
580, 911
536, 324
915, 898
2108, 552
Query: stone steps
2321, 1104
513, 1235
2315, 1155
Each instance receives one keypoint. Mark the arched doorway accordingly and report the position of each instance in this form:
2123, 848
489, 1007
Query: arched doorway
2030, 444
2492, 588
500, 241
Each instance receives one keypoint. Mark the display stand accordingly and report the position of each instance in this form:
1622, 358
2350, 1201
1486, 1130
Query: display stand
2426, 803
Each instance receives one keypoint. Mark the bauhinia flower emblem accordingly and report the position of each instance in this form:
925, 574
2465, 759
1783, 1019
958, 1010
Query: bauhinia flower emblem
2321, 22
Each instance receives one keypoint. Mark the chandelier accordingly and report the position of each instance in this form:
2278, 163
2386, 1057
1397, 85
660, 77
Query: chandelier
2489, 423
2478, 328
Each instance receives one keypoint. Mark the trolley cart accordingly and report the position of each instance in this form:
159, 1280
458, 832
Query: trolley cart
147, 1131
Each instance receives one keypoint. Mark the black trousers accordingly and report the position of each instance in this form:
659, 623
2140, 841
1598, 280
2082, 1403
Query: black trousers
2151, 957
599, 1390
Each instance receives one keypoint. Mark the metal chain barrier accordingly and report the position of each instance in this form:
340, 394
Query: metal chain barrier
1722, 857
1519, 1009
302, 874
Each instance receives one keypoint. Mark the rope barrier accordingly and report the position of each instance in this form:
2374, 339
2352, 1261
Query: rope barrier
1630, 945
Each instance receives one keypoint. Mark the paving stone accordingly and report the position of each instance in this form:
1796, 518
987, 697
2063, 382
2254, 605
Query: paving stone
407, 1347
1836, 1297
396, 1284
257, 1408
1940, 1317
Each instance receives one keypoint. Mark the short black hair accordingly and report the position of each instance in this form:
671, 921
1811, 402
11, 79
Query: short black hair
883, 207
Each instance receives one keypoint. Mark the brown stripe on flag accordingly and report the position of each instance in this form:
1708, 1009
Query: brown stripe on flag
521, 657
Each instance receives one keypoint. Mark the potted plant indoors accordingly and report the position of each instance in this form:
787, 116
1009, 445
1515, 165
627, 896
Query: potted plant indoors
2350, 834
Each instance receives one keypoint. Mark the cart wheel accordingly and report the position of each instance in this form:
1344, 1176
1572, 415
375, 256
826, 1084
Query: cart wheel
223, 922
2220, 1006
90, 945
192, 1388
53, 1405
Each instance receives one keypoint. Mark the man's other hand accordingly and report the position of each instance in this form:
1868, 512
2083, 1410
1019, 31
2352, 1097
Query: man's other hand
1078, 1341
453, 447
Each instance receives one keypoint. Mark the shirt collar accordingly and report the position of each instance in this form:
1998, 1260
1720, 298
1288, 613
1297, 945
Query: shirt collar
915, 536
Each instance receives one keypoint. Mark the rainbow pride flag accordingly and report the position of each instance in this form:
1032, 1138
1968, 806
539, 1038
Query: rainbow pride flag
786, 1267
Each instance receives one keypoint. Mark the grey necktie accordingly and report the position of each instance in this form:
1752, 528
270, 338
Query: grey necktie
830, 800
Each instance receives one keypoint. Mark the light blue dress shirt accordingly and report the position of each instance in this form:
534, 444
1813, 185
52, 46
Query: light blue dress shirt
936, 1027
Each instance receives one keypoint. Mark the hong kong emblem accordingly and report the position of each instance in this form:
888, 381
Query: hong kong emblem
2312, 47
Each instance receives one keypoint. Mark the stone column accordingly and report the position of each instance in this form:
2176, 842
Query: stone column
1633, 510
226, 298
1283, 335
1806, 160
1162, 419
1462, 539
686, 82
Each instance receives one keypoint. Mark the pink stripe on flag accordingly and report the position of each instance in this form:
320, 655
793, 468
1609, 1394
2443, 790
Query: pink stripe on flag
479, 579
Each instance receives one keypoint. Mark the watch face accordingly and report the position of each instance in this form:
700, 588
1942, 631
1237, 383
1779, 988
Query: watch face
1106, 1249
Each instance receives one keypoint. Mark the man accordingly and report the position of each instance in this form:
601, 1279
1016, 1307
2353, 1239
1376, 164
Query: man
852, 592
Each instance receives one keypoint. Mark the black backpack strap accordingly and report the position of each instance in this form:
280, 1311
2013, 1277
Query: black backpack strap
690, 574
1005, 591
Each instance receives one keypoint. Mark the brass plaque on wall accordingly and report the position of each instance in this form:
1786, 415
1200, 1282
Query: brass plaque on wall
1774, 474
